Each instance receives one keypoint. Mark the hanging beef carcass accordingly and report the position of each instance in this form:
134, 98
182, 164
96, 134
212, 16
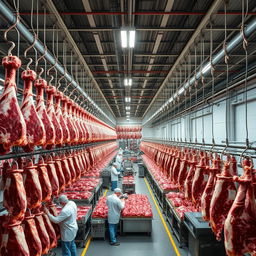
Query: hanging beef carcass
66, 136
35, 129
50, 230
50, 91
53, 176
199, 180
208, 192
60, 174
44, 180
41, 85
240, 224
12, 123
222, 199
32, 186
42, 232
13, 241
15, 200
68, 115
32, 236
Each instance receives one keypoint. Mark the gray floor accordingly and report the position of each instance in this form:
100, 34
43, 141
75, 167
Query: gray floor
157, 244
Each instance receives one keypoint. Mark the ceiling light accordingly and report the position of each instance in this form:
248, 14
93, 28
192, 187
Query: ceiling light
127, 107
131, 38
124, 38
127, 36
128, 113
128, 119
127, 99
127, 81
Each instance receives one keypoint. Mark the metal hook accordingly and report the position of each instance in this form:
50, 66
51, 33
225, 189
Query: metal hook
30, 47
37, 61
48, 72
7, 31
67, 87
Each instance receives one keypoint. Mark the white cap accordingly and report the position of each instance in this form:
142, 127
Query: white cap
63, 199
115, 163
117, 190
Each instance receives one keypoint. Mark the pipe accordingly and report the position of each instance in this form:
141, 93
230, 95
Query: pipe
10, 18
126, 71
249, 29
174, 13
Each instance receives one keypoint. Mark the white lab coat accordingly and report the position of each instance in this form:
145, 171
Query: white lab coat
119, 160
115, 206
114, 173
67, 221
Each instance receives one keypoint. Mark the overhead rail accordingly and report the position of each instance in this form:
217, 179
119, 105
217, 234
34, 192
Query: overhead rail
11, 19
238, 39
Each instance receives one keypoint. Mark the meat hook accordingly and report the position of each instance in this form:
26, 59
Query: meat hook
37, 61
30, 47
7, 31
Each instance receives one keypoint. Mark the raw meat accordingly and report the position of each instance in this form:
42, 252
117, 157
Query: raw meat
12, 123
222, 199
53, 210
199, 181
44, 181
72, 169
66, 137
6, 166
32, 186
77, 166
65, 169
13, 241
240, 225
35, 129
14, 193
183, 171
53, 177
189, 179
50, 231
42, 232
71, 124
32, 237
67, 119
208, 192
40, 85
59, 173
50, 91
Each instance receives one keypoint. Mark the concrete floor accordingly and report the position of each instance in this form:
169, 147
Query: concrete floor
158, 244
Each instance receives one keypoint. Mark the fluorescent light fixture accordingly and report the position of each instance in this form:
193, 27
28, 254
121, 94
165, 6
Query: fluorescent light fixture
128, 119
181, 90
124, 38
127, 107
127, 99
127, 82
131, 38
128, 113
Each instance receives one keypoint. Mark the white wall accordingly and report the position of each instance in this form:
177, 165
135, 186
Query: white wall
132, 121
199, 124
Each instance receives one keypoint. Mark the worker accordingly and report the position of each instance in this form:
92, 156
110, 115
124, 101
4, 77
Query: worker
68, 225
114, 176
115, 206
119, 161
121, 150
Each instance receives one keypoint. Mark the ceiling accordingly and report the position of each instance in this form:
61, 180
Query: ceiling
172, 39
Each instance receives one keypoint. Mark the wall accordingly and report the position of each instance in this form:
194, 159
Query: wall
132, 121
198, 125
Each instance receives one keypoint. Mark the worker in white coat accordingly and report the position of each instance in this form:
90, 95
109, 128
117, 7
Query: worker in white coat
114, 176
119, 161
115, 206
68, 225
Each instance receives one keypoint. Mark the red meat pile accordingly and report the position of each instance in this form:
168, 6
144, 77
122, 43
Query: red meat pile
137, 206
87, 184
101, 209
128, 180
78, 195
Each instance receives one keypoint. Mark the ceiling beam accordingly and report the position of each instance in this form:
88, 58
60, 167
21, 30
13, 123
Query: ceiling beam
53, 9
213, 9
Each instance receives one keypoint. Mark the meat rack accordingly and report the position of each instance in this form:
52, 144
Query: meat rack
17, 153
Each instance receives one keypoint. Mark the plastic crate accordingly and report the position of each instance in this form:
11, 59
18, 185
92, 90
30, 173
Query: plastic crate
98, 228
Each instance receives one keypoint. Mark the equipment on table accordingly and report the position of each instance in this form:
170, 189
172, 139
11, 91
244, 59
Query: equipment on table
201, 240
